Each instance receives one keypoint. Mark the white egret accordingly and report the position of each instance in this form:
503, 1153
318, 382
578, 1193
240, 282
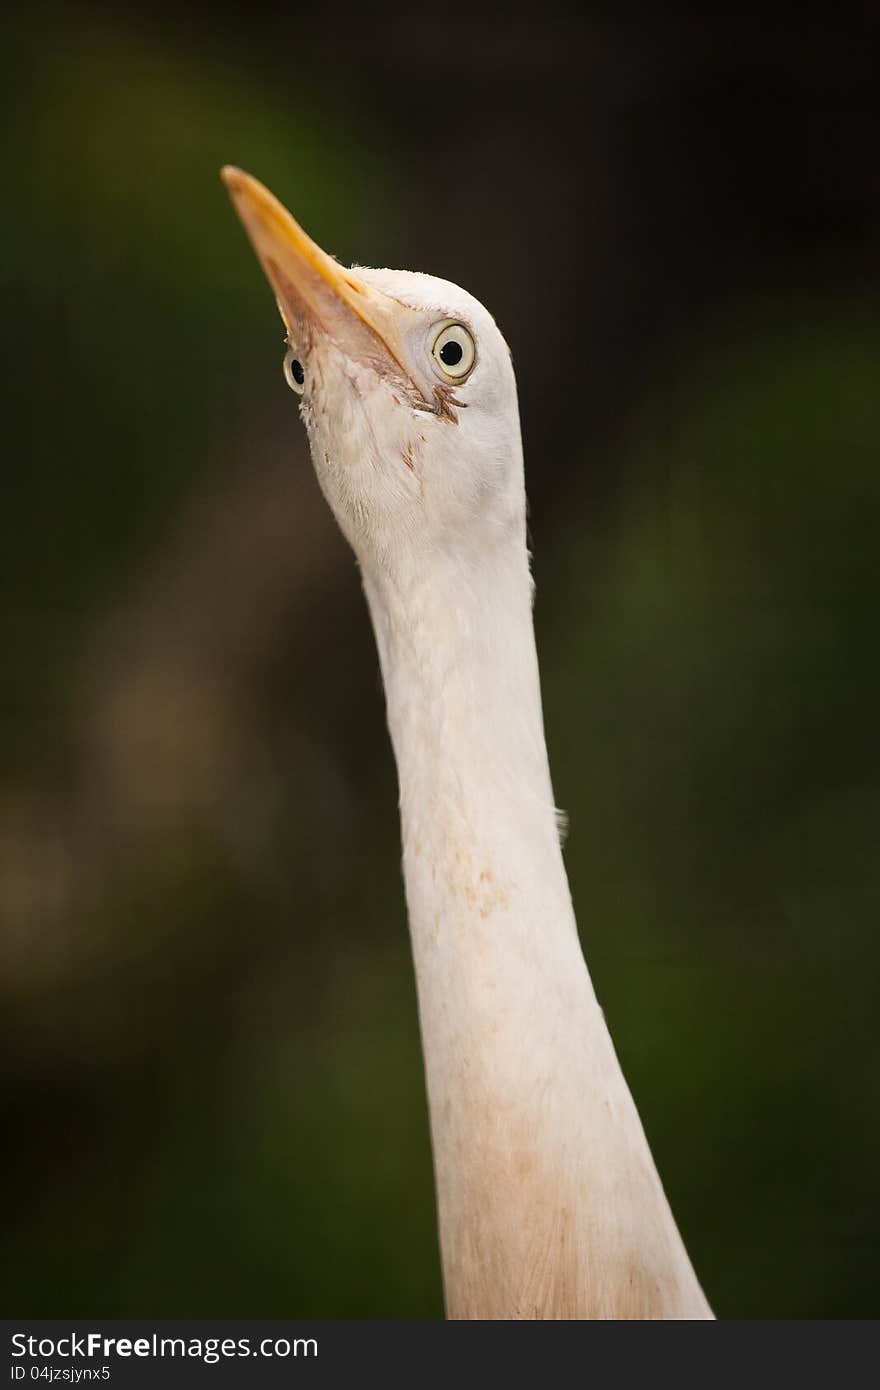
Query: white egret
549, 1203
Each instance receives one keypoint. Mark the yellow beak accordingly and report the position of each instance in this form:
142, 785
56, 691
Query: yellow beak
312, 289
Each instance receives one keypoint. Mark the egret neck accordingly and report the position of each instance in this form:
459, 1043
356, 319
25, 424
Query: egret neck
549, 1204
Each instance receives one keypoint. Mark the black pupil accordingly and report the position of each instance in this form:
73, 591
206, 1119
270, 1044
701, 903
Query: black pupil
296, 371
451, 354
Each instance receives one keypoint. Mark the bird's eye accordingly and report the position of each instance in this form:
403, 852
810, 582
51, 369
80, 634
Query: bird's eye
294, 374
454, 351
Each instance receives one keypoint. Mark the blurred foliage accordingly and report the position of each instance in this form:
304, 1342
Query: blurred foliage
124, 263
712, 721
211, 1077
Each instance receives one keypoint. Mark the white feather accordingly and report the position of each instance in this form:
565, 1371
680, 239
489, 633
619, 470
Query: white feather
549, 1202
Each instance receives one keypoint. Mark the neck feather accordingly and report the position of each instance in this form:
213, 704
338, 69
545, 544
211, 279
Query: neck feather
549, 1204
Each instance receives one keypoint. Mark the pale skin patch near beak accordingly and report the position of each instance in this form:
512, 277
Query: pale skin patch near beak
316, 294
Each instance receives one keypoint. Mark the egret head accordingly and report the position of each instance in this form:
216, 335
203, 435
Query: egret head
407, 393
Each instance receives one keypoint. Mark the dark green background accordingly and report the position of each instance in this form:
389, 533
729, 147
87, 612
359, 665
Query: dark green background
211, 1081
